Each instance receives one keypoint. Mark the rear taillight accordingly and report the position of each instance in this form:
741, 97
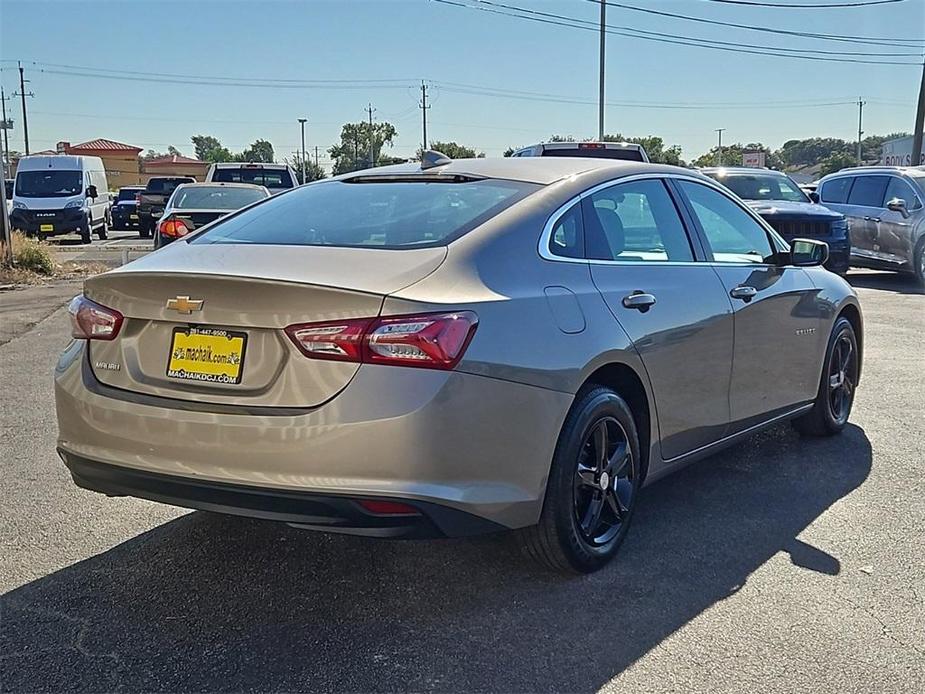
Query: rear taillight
433, 341
92, 321
174, 228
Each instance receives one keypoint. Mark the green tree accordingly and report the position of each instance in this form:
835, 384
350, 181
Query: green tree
352, 152
836, 162
509, 151
259, 151
152, 154
313, 171
209, 149
654, 147
453, 150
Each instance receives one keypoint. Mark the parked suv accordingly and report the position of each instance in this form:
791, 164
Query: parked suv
886, 218
782, 204
124, 210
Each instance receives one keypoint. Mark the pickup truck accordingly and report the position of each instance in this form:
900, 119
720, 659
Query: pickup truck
153, 199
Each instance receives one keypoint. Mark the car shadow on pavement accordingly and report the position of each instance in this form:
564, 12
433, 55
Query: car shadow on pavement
209, 603
885, 281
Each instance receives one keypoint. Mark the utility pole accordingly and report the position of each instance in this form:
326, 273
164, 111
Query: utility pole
6, 238
23, 94
423, 106
7, 164
719, 147
370, 109
919, 124
302, 122
600, 106
860, 132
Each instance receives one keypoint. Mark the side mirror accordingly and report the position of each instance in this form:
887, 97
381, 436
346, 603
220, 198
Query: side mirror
808, 252
92, 192
898, 205
814, 196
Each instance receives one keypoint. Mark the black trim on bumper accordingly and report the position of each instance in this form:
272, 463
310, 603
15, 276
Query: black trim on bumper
309, 510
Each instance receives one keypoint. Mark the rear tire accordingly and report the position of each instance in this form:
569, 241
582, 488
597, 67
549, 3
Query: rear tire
103, 232
837, 384
918, 261
590, 495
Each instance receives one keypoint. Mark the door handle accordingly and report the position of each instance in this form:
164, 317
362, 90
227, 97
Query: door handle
639, 300
744, 292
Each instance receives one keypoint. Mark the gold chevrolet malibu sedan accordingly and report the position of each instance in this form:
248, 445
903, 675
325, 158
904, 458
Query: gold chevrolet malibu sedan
455, 347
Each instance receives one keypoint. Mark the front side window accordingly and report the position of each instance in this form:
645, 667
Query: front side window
371, 214
733, 235
635, 221
898, 188
566, 239
868, 191
49, 184
836, 190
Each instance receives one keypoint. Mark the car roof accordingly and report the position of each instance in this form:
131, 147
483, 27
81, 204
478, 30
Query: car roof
221, 184
249, 165
541, 170
855, 170
720, 170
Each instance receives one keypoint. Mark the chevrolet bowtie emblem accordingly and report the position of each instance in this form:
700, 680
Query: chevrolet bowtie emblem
183, 304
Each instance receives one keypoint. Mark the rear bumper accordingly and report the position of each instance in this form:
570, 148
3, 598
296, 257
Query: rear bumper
457, 441
303, 509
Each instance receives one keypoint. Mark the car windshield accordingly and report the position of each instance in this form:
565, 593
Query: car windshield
762, 187
394, 214
48, 184
271, 178
216, 197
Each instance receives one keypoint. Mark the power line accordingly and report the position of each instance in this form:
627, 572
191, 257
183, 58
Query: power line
803, 6
872, 40
596, 25
570, 22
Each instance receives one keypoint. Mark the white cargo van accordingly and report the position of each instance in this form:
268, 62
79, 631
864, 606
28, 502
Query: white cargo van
58, 194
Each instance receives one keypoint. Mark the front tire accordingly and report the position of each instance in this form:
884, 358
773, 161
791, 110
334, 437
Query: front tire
837, 384
593, 484
86, 231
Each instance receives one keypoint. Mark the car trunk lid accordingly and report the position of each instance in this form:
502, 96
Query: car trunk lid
222, 309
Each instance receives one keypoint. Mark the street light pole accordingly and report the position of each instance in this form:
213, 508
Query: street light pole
719, 147
600, 106
860, 132
919, 124
302, 122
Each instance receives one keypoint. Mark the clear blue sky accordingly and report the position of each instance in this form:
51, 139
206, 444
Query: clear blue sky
410, 40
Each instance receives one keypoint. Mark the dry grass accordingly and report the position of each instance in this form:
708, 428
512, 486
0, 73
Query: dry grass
34, 263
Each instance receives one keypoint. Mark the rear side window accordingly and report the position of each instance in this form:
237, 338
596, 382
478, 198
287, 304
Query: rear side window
633, 222
868, 191
835, 190
393, 214
567, 237
271, 178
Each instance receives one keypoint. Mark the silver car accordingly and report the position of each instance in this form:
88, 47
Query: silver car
886, 216
451, 348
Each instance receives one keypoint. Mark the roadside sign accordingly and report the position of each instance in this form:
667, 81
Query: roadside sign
753, 160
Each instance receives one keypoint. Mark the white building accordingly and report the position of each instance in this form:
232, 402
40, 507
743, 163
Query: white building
899, 152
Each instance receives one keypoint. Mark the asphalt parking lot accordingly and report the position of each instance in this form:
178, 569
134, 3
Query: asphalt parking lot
780, 565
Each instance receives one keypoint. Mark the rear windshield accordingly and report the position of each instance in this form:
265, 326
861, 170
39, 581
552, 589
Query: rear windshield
216, 198
271, 178
411, 214
165, 185
127, 194
624, 154
48, 184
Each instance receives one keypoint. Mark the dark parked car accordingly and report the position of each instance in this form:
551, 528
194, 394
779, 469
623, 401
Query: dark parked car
194, 205
153, 199
124, 210
782, 204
